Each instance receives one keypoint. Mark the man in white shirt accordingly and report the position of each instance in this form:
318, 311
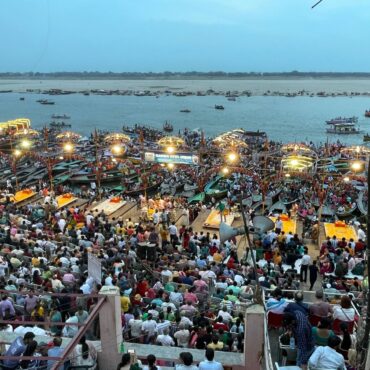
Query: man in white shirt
361, 234
148, 328
172, 229
165, 339
305, 262
278, 225
209, 363
135, 326
289, 237
327, 357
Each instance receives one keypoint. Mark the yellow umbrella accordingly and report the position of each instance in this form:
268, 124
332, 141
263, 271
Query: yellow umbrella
27, 132
68, 136
171, 141
116, 138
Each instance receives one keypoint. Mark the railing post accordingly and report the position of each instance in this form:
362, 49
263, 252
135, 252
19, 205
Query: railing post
110, 329
254, 337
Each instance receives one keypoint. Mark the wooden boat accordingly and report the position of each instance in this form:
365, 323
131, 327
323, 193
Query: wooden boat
45, 102
60, 116
219, 107
141, 190
286, 199
347, 212
59, 124
367, 113
168, 127
118, 190
278, 207
366, 138
361, 203
185, 110
187, 194
190, 187
213, 189
87, 178
61, 179
325, 210
197, 198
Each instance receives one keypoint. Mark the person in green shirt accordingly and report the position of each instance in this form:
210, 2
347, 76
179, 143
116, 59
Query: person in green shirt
47, 274
322, 332
235, 289
169, 315
231, 297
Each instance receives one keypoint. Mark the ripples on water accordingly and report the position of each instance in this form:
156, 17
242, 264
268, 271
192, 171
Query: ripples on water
284, 119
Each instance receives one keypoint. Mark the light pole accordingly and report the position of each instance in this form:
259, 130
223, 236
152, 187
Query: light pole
365, 340
363, 345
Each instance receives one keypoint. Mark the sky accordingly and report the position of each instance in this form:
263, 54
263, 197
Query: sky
184, 35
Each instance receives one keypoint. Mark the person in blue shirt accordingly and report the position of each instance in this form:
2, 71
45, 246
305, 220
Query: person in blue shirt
16, 349
55, 351
209, 363
298, 305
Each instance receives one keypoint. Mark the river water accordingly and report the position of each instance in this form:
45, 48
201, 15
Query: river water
284, 119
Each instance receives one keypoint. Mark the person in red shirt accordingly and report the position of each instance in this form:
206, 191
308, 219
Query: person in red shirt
213, 249
142, 287
359, 246
219, 324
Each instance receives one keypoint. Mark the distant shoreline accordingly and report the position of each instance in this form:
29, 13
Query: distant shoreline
190, 85
184, 78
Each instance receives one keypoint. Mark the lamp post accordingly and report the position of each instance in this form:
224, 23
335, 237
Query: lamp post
16, 154
364, 345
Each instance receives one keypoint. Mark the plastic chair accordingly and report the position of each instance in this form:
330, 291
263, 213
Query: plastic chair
274, 320
336, 326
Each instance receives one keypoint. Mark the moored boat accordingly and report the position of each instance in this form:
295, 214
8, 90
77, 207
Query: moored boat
45, 102
343, 129
343, 212
341, 120
168, 127
366, 138
214, 189
219, 107
185, 110
59, 124
60, 116
362, 202
367, 113
278, 207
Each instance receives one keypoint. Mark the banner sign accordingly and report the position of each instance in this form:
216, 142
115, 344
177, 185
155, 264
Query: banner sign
94, 268
180, 158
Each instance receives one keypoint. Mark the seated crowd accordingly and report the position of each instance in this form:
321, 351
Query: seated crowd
190, 294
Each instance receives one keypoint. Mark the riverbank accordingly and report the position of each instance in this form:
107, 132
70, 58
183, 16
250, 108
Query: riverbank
329, 86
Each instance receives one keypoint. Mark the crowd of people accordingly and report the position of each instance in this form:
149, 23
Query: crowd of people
191, 293
179, 287
321, 332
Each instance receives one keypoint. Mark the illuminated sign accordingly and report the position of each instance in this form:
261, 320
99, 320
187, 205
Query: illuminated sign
180, 158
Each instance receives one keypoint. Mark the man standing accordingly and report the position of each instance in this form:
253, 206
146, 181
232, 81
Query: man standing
305, 262
209, 363
173, 232
278, 225
301, 330
313, 274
